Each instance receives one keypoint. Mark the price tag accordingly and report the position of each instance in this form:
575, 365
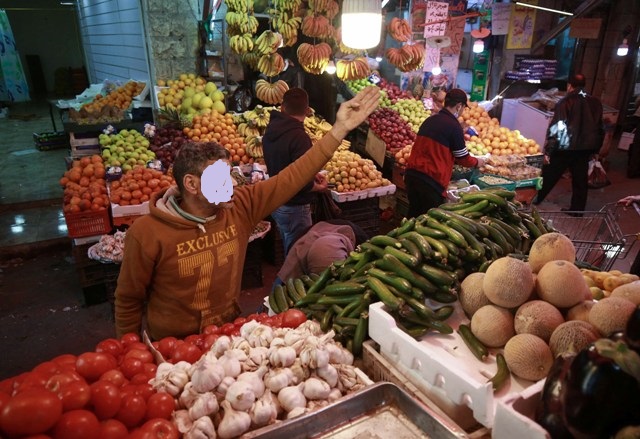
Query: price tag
375, 148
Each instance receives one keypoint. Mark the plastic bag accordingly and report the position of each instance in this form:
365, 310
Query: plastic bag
597, 175
325, 208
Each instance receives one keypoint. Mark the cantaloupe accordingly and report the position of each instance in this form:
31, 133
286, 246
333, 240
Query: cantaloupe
492, 325
580, 311
630, 291
560, 283
508, 282
537, 317
471, 294
528, 356
571, 337
551, 247
611, 314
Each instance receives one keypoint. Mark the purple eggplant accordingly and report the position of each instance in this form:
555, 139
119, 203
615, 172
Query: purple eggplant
550, 409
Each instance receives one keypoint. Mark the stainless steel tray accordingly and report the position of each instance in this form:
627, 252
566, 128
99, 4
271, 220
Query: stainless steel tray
382, 410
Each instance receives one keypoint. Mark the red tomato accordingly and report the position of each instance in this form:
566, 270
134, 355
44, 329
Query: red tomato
166, 346
150, 369
31, 380
227, 328
240, 321
160, 405
159, 429
236, 332
262, 317
186, 352
113, 429
77, 424
274, 321
136, 345
110, 346
292, 318
139, 378
130, 337
4, 398
8, 385
115, 376
66, 361
143, 355
32, 411
145, 390
208, 341
131, 367
192, 339
132, 410
253, 316
74, 395
211, 329
47, 368
105, 399
91, 365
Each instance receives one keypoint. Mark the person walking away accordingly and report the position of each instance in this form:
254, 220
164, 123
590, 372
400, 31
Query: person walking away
284, 141
439, 144
575, 133
182, 264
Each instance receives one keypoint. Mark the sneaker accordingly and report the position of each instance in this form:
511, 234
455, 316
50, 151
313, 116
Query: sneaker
571, 212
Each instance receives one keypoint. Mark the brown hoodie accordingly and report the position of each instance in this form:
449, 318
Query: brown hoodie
188, 273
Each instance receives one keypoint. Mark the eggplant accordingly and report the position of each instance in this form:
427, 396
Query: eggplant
549, 412
601, 390
632, 331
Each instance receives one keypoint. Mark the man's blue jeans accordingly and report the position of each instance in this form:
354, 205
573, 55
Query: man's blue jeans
292, 221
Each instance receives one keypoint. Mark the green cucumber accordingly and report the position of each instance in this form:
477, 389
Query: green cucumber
452, 235
385, 240
343, 289
436, 275
472, 197
405, 258
420, 241
430, 232
411, 248
384, 294
378, 251
391, 263
395, 281
475, 346
281, 298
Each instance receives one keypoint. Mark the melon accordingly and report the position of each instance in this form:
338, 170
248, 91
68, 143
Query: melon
561, 283
551, 247
471, 294
571, 337
528, 356
580, 311
630, 291
611, 314
537, 317
508, 282
492, 325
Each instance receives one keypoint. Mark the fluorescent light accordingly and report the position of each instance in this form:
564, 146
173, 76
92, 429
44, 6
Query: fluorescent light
623, 49
543, 8
384, 3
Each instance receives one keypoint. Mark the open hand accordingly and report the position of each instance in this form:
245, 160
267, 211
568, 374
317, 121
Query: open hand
355, 111
629, 200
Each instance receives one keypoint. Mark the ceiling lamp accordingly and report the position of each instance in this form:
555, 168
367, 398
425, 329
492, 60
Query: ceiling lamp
361, 23
479, 34
623, 49
331, 67
478, 46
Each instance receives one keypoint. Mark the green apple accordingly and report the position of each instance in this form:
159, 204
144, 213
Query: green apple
144, 157
126, 167
210, 87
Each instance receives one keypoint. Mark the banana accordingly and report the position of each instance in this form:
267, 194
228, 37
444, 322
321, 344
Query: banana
399, 29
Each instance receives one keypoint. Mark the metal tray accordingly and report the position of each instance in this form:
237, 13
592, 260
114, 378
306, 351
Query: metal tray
381, 410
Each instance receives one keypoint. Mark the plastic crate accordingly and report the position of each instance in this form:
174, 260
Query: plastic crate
477, 180
51, 140
88, 223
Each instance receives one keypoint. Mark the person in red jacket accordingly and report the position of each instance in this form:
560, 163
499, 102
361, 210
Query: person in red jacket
439, 144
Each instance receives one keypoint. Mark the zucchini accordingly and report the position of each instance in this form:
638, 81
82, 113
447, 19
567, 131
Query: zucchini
321, 281
391, 263
411, 248
456, 206
428, 231
327, 319
291, 291
309, 299
338, 300
438, 247
273, 304
468, 237
452, 234
436, 275
378, 251
420, 241
471, 197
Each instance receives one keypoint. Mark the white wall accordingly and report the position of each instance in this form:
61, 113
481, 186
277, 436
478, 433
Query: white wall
113, 40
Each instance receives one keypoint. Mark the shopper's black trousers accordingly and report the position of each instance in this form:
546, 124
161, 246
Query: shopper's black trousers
422, 197
578, 163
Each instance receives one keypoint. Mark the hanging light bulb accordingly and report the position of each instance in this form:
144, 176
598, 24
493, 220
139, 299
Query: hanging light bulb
331, 67
623, 49
436, 70
361, 23
478, 46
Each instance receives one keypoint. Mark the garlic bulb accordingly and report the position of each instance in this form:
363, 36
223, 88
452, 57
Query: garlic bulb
201, 429
338, 354
254, 379
347, 377
240, 344
182, 420
315, 388
256, 357
292, 397
311, 326
233, 423
300, 372
329, 374
264, 411
298, 411
262, 335
334, 395
277, 341
204, 405
221, 345
294, 336
317, 404
222, 388
314, 356
187, 396
240, 395
206, 373
171, 378
231, 365
277, 379
248, 328
282, 356
237, 353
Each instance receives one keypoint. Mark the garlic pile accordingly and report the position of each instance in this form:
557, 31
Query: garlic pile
264, 375
110, 248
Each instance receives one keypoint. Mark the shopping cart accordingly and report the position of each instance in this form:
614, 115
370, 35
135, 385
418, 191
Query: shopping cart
596, 235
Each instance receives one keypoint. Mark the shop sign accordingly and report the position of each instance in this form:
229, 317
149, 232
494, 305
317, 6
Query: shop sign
500, 14
375, 148
588, 28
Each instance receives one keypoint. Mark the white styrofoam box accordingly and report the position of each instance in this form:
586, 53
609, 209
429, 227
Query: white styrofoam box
87, 240
156, 91
137, 209
444, 361
514, 415
626, 139
341, 197
145, 91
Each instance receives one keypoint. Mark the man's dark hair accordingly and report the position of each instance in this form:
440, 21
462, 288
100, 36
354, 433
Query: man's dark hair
295, 102
578, 80
193, 157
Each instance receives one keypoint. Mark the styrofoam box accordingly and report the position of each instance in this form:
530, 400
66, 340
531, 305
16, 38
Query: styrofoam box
514, 415
137, 209
444, 362
341, 197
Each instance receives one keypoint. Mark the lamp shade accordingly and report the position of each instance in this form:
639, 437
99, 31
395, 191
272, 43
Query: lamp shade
361, 23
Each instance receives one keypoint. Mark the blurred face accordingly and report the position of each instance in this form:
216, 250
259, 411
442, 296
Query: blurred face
215, 184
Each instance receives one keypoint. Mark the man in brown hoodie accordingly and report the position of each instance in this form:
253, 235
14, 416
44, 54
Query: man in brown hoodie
183, 262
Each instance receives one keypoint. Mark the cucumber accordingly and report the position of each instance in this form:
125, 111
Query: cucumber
411, 248
384, 294
405, 258
384, 240
502, 374
327, 319
428, 231
475, 346
456, 206
420, 241
300, 288
343, 289
338, 300
391, 263
438, 247
472, 197
468, 237
378, 251
360, 334
397, 282
436, 275
291, 291
480, 206
273, 304
321, 281
406, 226
452, 235
280, 297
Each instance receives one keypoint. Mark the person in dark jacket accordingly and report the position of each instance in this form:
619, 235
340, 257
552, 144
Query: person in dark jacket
439, 144
575, 133
284, 141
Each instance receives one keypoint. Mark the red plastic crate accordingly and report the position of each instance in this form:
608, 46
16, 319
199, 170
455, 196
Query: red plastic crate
88, 223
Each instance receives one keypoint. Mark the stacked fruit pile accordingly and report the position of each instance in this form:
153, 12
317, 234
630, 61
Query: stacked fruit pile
285, 16
136, 186
190, 95
109, 107
402, 155
347, 171
411, 111
241, 25
125, 149
84, 186
165, 143
387, 124
358, 84
219, 128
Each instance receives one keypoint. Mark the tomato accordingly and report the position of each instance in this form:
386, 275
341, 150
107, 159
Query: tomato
137, 345
160, 405
32, 380
227, 328
274, 321
166, 346
140, 378
47, 368
66, 361
115, 376
150, 369
74, 395
208, 341
159, 429
91, 365
8, 385
132, 410
131, 367
292, 318
145, 390
253, 316
235, 332
113, 429
32, 411
4, 398
129, 337
211, 329
110, 346
105, 399
143, 355
77, 424
186, 352
240, 321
